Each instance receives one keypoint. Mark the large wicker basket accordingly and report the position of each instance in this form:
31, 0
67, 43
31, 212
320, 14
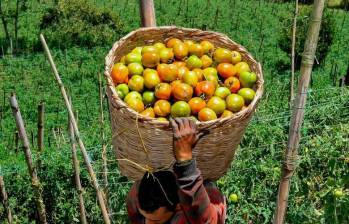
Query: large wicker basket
141, 143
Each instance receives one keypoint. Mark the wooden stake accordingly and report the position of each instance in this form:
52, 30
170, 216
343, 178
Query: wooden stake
41, 111
298, 111
293, 53
104, 147
37, 188
77, 133
147, 13
76, 167
5, 200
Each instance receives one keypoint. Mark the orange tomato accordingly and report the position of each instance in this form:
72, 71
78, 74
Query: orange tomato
149, 112
242, 67
196, 49
206, 114
179, 63
233, 84
189, 43
226, 113
182, 91
135, 104
207, 46
150, 59
163, 91
226, 70
199, 74
173, 41
167, 73
182, 71
162, 108
205, 87
174, 83
206, 61
119, 73
180, 50
222, 55
196, 104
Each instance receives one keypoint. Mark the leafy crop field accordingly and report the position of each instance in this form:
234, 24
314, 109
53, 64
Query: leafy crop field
254, 175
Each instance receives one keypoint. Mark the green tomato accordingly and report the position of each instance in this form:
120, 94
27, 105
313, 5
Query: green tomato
248, 79
233, 198
136, 83
222, 92
194, 62
135, 68
133, 94
148, 97
123, 89
133, 57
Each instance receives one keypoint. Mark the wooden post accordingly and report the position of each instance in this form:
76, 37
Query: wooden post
147, 13
77, 133
104, 147
76, 167
41, 111
5, 200
293, 53
37, 188
298, 111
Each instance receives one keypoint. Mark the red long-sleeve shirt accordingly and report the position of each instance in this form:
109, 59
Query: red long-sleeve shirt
200, 202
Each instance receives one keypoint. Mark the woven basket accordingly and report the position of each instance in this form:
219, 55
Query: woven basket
141, 143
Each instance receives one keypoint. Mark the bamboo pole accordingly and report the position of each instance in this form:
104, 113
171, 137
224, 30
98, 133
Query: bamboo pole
293, 52
290, 159
77, 133
5, 200
37, 188
147, 13
76, 167
41, 112
104, 147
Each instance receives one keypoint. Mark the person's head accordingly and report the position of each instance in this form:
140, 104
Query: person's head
157, 196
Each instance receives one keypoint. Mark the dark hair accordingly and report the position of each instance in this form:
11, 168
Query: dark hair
158, 190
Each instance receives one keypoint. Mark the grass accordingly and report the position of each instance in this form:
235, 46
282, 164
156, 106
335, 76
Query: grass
255, 172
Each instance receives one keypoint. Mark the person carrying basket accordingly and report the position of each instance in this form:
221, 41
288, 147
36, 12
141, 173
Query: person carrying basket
181, 196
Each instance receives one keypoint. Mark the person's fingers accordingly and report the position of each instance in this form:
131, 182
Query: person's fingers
180, 123
174, 127
192, 124
186, 123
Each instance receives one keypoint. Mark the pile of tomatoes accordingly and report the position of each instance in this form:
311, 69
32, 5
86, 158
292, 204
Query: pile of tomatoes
184, 78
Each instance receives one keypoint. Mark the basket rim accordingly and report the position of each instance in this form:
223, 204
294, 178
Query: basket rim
236, 116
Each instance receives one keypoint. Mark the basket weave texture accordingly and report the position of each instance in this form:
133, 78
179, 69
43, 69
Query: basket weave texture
142, 143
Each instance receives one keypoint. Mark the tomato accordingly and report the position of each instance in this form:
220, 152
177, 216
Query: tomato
162, 108
226, 113
193, 62
119, 73
166, 55
234, 102
222, 55
190, 78
149, 49
236, 57
173, 41
199, 74
180, 109
174, 83
123, 89
206, 61
137, 50
132, 95
182, 71
233, 84
133, 57
167, 73
159, 45
182, 91
149, 112
196, 49
338, 193
179, 63
212, 78
163, 91
205, 87
217, 104
222, 92
242, 67
207, 114
248, 79
233, 198
135, 68
226, 70
162, 119
210, 71
196, 104
180, 50
151, 78
207, 46
248, 94
148, 97
136, 83
188, 43
150, 59
135, 104
123, 60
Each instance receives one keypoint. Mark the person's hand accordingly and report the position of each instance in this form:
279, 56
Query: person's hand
185, 136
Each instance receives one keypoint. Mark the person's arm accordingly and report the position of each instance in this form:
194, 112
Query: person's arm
131, 204
192, 194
